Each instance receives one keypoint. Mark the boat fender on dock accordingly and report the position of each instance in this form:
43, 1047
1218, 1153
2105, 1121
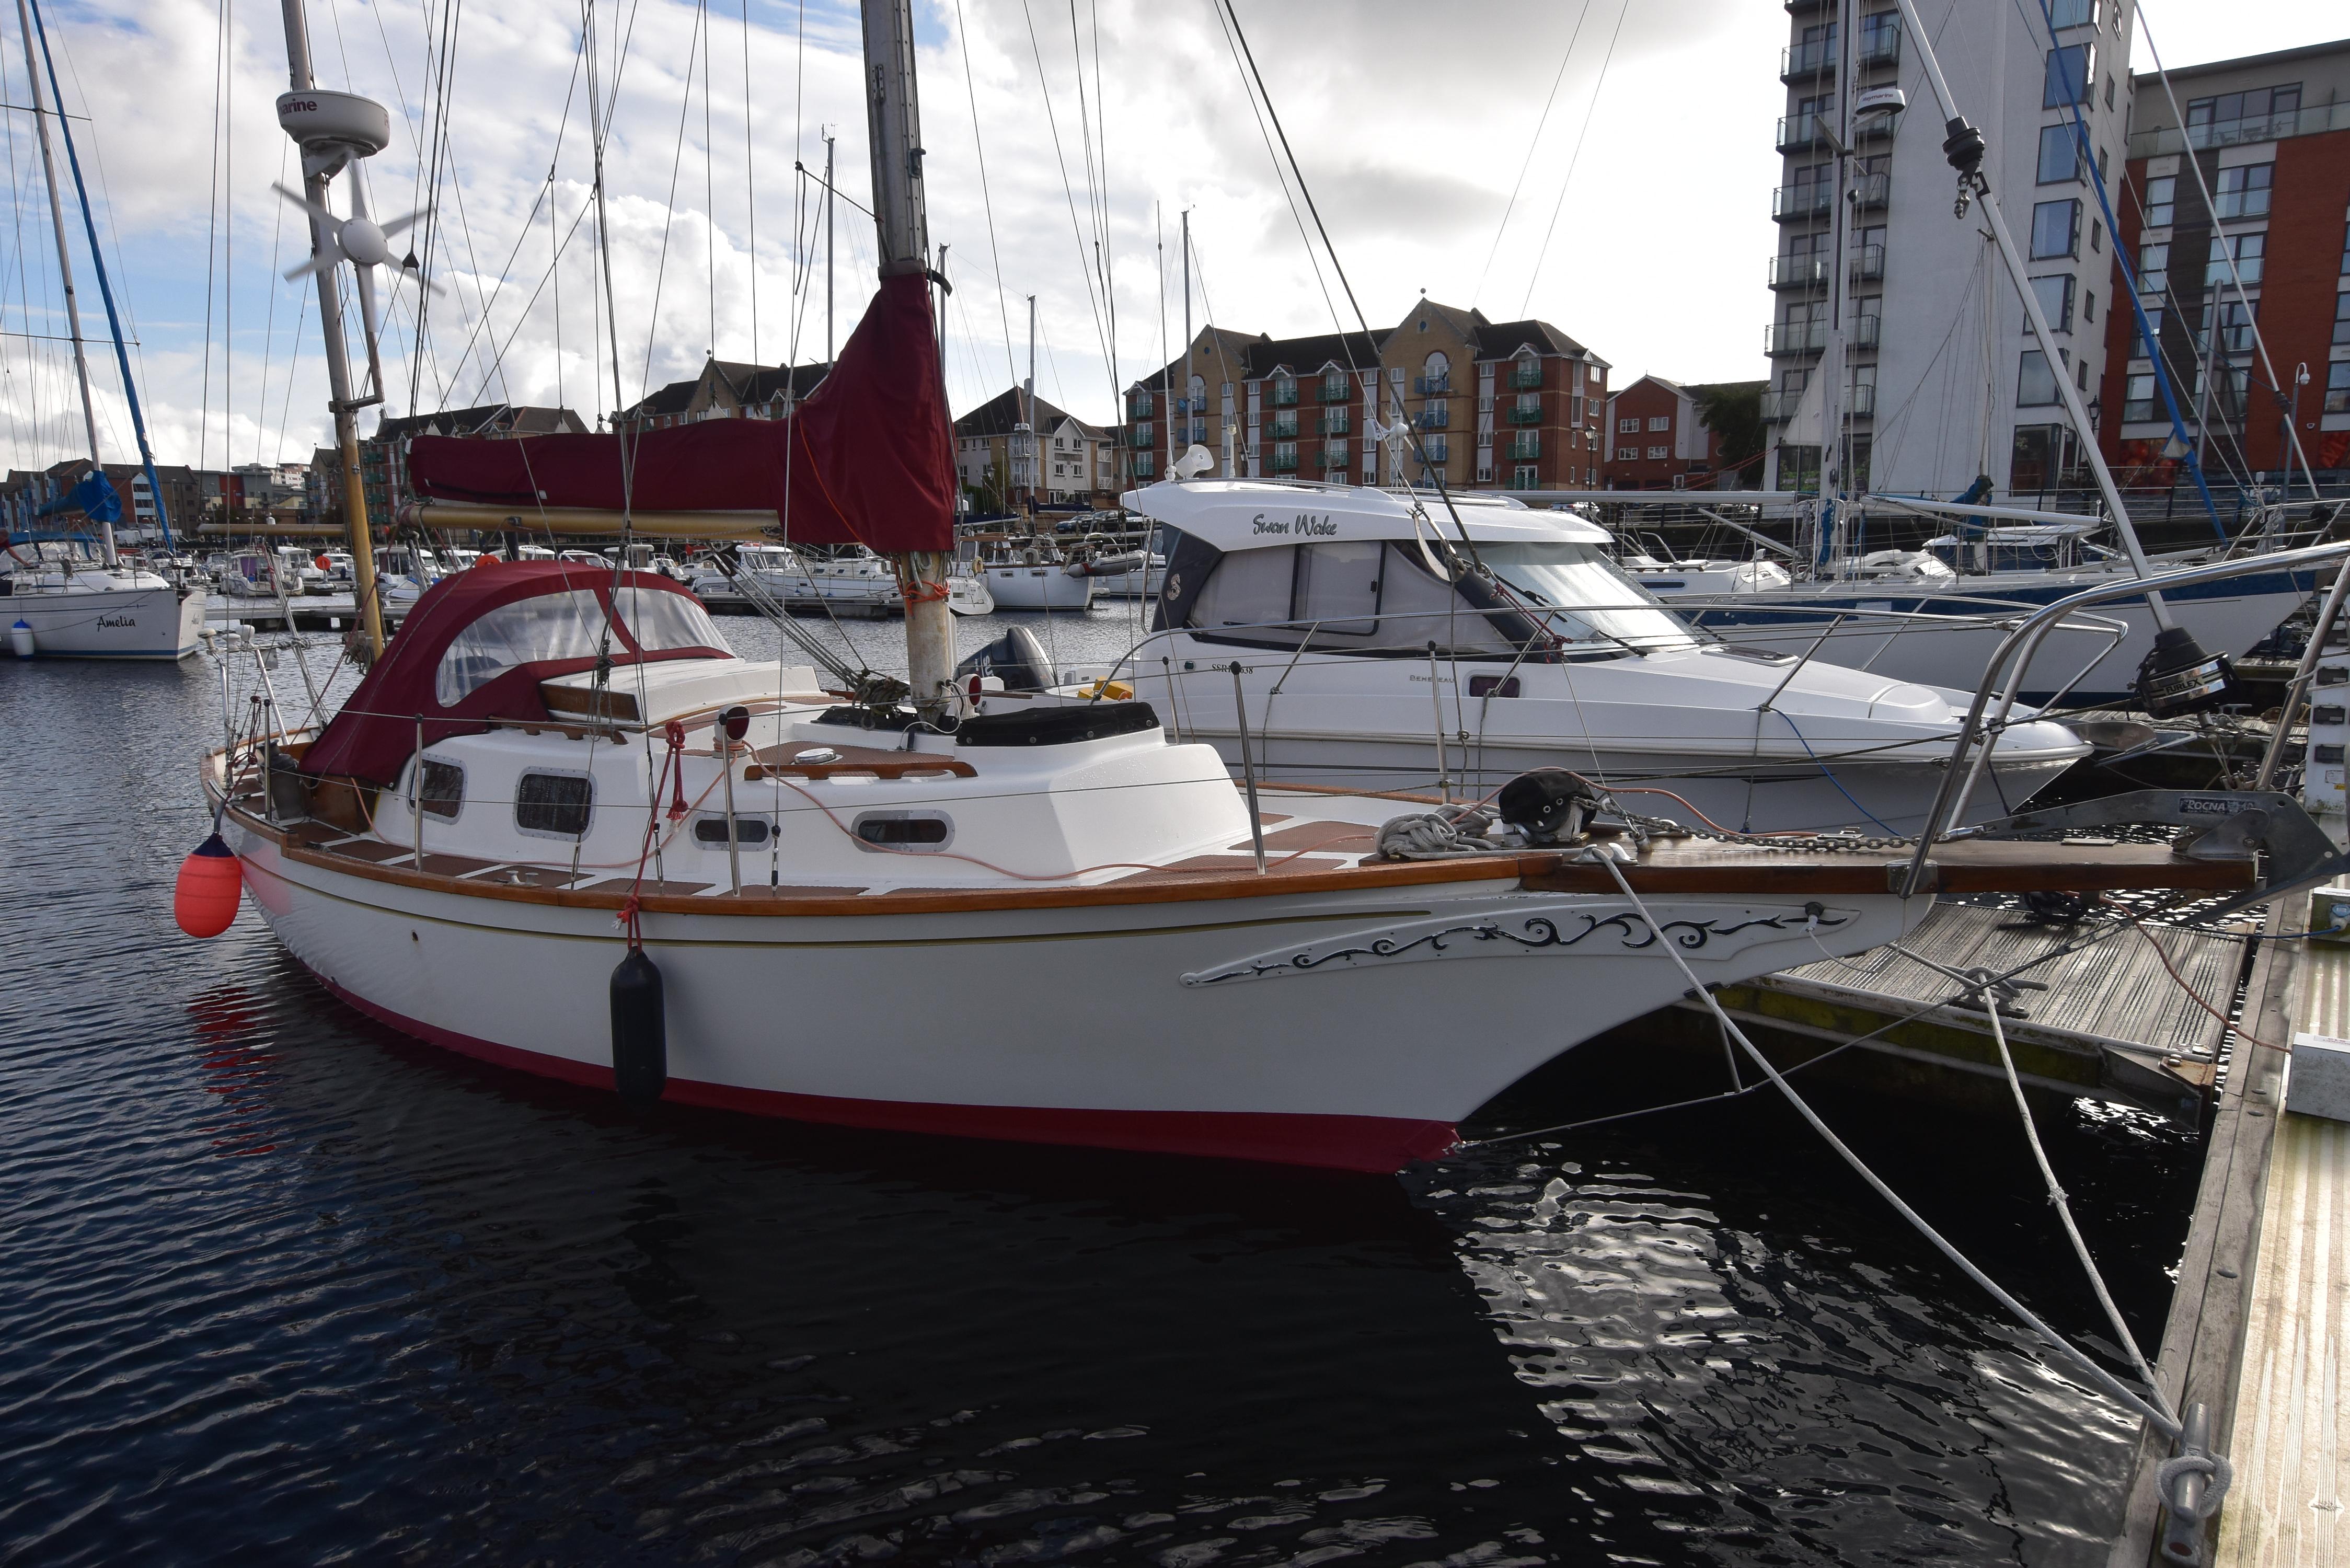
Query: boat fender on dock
20, 640
640, 1031
211, 886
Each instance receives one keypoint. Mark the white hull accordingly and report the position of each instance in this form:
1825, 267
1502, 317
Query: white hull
144, 623
2226, 617
1134, 583
1135, 1043
1048, 586
969, 596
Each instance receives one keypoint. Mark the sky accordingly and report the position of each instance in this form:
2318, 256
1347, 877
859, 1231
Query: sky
1603, 164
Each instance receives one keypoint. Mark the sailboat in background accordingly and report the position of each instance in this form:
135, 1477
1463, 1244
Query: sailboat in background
68, 605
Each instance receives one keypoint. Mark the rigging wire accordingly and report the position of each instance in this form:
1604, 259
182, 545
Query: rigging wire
1532, 143
1077, 232
669, 212
1574, 158
986, 198
750, 188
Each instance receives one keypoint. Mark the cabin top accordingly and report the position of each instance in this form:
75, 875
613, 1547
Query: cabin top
1246, 513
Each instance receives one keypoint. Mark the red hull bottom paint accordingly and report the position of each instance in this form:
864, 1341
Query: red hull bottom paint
1378, 1144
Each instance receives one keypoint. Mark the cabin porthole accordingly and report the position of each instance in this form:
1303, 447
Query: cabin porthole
554, 804
914, 832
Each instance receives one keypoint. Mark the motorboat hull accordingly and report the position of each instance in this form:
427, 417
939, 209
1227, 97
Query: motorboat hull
1316, 1028
2088, 668
159, 624
1047, 587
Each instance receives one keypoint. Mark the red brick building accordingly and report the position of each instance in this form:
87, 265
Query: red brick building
2271, 136
1657, 438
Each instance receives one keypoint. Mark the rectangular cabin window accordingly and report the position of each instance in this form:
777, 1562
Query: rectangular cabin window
711, 831
1338, 589
1247, 588
922, 832
443, 793
557, 805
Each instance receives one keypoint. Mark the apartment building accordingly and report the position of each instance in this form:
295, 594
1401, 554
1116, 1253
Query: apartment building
1063, 461
1658, 436
1942, 381
1515, 404
25, 491
2269, 136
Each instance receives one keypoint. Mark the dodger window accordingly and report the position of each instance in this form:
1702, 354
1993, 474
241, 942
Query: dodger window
660, 621
548, 627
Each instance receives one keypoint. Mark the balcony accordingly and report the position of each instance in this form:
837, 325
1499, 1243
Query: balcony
1284, 394
1334, 456
1810, 337
1433, 419
1431, 386
1145, 465
1142, 436
1437, 450
1868, 262
1871, 191
1283, 426
1810, 200
1797, 131
1799, 272
1336, 389
1880, 47
1526, 376
1525, 446
1137, 407
1333, 424
2311, 121
1284, 462
1804, 61
1860, 403
1524, 416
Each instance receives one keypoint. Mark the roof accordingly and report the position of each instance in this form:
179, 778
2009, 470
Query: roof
1252, 513
1308, 356
996, 416
490, 419
1500, 340
2247, 62
1213, 346
750, 384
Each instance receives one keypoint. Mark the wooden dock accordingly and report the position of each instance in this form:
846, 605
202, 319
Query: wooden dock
2111, 1023
2255, 1332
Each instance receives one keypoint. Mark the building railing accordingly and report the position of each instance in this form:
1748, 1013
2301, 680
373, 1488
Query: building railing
1437, 449
1880, 47
1808, 199
1142, 436
2163, 140
1800, 130
1426, 386
1284, 462
1335, 424
1519, 416
1137, 406
1525, 446
1806, 60
1871, 191
1283, 426
1810, 337
1336, 389
1284, 394
1799, 272
1335, 455
1525, 481
1860, 403
1433, 419
1526, 376
1868, 262
1145, 465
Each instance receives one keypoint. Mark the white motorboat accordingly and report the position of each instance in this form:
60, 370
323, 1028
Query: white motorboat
1035, 576
852, 579
83, 609
1361, 664
257, 575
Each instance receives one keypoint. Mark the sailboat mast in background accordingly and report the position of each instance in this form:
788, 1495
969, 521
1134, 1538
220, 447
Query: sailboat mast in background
65, 264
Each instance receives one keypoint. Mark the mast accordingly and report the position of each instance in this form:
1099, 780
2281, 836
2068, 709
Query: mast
893, 118
1187, 341
315, 170
65, 266
1027, 438
1831, 352
827, 253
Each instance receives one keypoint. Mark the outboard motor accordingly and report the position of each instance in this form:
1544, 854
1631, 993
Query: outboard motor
1017, 659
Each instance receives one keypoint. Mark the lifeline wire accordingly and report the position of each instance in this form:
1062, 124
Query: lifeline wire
2161, 1420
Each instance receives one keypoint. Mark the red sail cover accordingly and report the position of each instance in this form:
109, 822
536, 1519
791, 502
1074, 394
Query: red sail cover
867, 458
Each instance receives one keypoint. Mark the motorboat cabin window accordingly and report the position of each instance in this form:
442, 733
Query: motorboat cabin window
1589, 596
1246, 589
710, 832
920, 832
443, 790
554, 804
548, 627
1338, 587
660, 620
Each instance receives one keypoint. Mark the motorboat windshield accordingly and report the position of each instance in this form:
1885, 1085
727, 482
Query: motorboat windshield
1584, 595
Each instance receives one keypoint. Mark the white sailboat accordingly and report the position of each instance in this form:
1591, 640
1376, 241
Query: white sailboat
107, 608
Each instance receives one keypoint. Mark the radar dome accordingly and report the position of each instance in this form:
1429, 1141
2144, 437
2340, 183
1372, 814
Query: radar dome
344, 118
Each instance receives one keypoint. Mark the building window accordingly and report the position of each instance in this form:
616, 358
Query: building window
2249, 251
1627, 427
2337, 387
2056, 296
2244, 191
1525, 476
2073, 13
2070, 68
2043, 457
1656, 453
2137, 398
2258, 114
1660, 421
1628, 454
2035, 387
2341, 317
2154, 269
2060, 155
2232, 332
2055, 229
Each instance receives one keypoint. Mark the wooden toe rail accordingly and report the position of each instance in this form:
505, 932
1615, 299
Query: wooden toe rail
783, 762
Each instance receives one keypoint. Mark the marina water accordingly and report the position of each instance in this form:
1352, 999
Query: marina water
281, 1285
